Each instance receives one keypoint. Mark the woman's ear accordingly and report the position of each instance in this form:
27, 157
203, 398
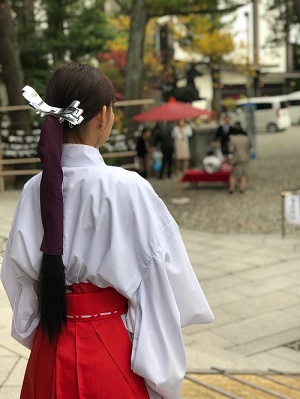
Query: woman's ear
101, 117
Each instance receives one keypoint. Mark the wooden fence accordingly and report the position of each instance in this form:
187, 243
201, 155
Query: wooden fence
32, 161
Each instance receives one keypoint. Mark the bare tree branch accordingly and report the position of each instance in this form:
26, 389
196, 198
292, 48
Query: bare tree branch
190, 10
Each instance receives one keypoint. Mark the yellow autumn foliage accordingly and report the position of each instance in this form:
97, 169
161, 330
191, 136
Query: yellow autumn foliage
121, 24
214, 44
120, 43
205, 38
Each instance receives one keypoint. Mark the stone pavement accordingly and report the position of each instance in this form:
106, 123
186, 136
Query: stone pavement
252, 284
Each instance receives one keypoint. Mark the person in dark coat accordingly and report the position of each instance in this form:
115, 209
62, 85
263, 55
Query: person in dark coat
164, 140
223, 134
143, 150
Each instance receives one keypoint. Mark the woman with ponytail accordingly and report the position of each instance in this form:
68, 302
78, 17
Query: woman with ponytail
95, 268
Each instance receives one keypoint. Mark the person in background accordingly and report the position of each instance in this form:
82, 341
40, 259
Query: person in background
181, 134
238, 128
239, 148
211, 163
223, 134
163, 140
95, 268
143, 152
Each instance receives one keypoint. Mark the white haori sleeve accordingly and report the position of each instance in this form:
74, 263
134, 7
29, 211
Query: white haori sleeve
168, 297
21, 292
18, 276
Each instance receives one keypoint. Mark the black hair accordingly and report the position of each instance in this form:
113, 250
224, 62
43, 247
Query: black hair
80, 82
51, 294
145, 130
94, 90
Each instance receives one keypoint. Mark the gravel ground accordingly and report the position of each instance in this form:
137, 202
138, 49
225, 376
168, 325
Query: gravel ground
258, 210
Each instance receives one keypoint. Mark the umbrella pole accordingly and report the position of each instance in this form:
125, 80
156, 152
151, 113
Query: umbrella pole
179, 185
179, 200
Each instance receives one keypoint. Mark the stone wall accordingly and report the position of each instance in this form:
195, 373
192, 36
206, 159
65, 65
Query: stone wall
200, 143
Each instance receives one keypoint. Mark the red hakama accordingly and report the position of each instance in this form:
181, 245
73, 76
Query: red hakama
91, 357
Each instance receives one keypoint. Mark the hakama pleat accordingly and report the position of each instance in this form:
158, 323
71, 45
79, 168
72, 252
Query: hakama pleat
91, 357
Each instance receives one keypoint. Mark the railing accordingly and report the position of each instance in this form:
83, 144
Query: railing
25, 172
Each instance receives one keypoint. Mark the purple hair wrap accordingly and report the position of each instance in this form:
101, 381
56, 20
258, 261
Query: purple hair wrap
50, 151
51, 197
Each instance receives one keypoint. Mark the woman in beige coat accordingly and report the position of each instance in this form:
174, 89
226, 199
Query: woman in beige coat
181, 133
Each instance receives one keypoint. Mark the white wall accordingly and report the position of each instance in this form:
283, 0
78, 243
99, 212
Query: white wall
240, 32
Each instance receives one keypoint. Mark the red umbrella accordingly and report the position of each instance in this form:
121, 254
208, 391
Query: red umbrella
172, 111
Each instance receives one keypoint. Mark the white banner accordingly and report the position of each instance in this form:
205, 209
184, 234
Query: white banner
292, 209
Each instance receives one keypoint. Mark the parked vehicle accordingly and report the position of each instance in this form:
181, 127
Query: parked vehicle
272, 113
294, 105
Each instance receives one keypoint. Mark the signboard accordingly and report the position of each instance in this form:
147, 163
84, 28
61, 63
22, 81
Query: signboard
292, 208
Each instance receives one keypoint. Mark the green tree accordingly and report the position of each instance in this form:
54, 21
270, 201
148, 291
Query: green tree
38, 35
51, 32
34, 52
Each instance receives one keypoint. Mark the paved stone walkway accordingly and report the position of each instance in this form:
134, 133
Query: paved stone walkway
252, 283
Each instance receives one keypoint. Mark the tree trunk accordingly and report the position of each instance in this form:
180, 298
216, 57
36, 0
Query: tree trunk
12, 69
27, 11
217, 95
134, 67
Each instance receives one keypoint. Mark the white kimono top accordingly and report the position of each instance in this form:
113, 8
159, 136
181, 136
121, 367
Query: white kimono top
117, 233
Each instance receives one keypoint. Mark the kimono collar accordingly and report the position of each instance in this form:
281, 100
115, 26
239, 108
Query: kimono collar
78, 155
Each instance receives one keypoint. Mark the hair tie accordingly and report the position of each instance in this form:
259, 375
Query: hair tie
72, 113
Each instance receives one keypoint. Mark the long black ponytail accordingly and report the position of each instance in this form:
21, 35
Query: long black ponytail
52, 295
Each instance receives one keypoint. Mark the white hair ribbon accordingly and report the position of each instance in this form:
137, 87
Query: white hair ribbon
72, 113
